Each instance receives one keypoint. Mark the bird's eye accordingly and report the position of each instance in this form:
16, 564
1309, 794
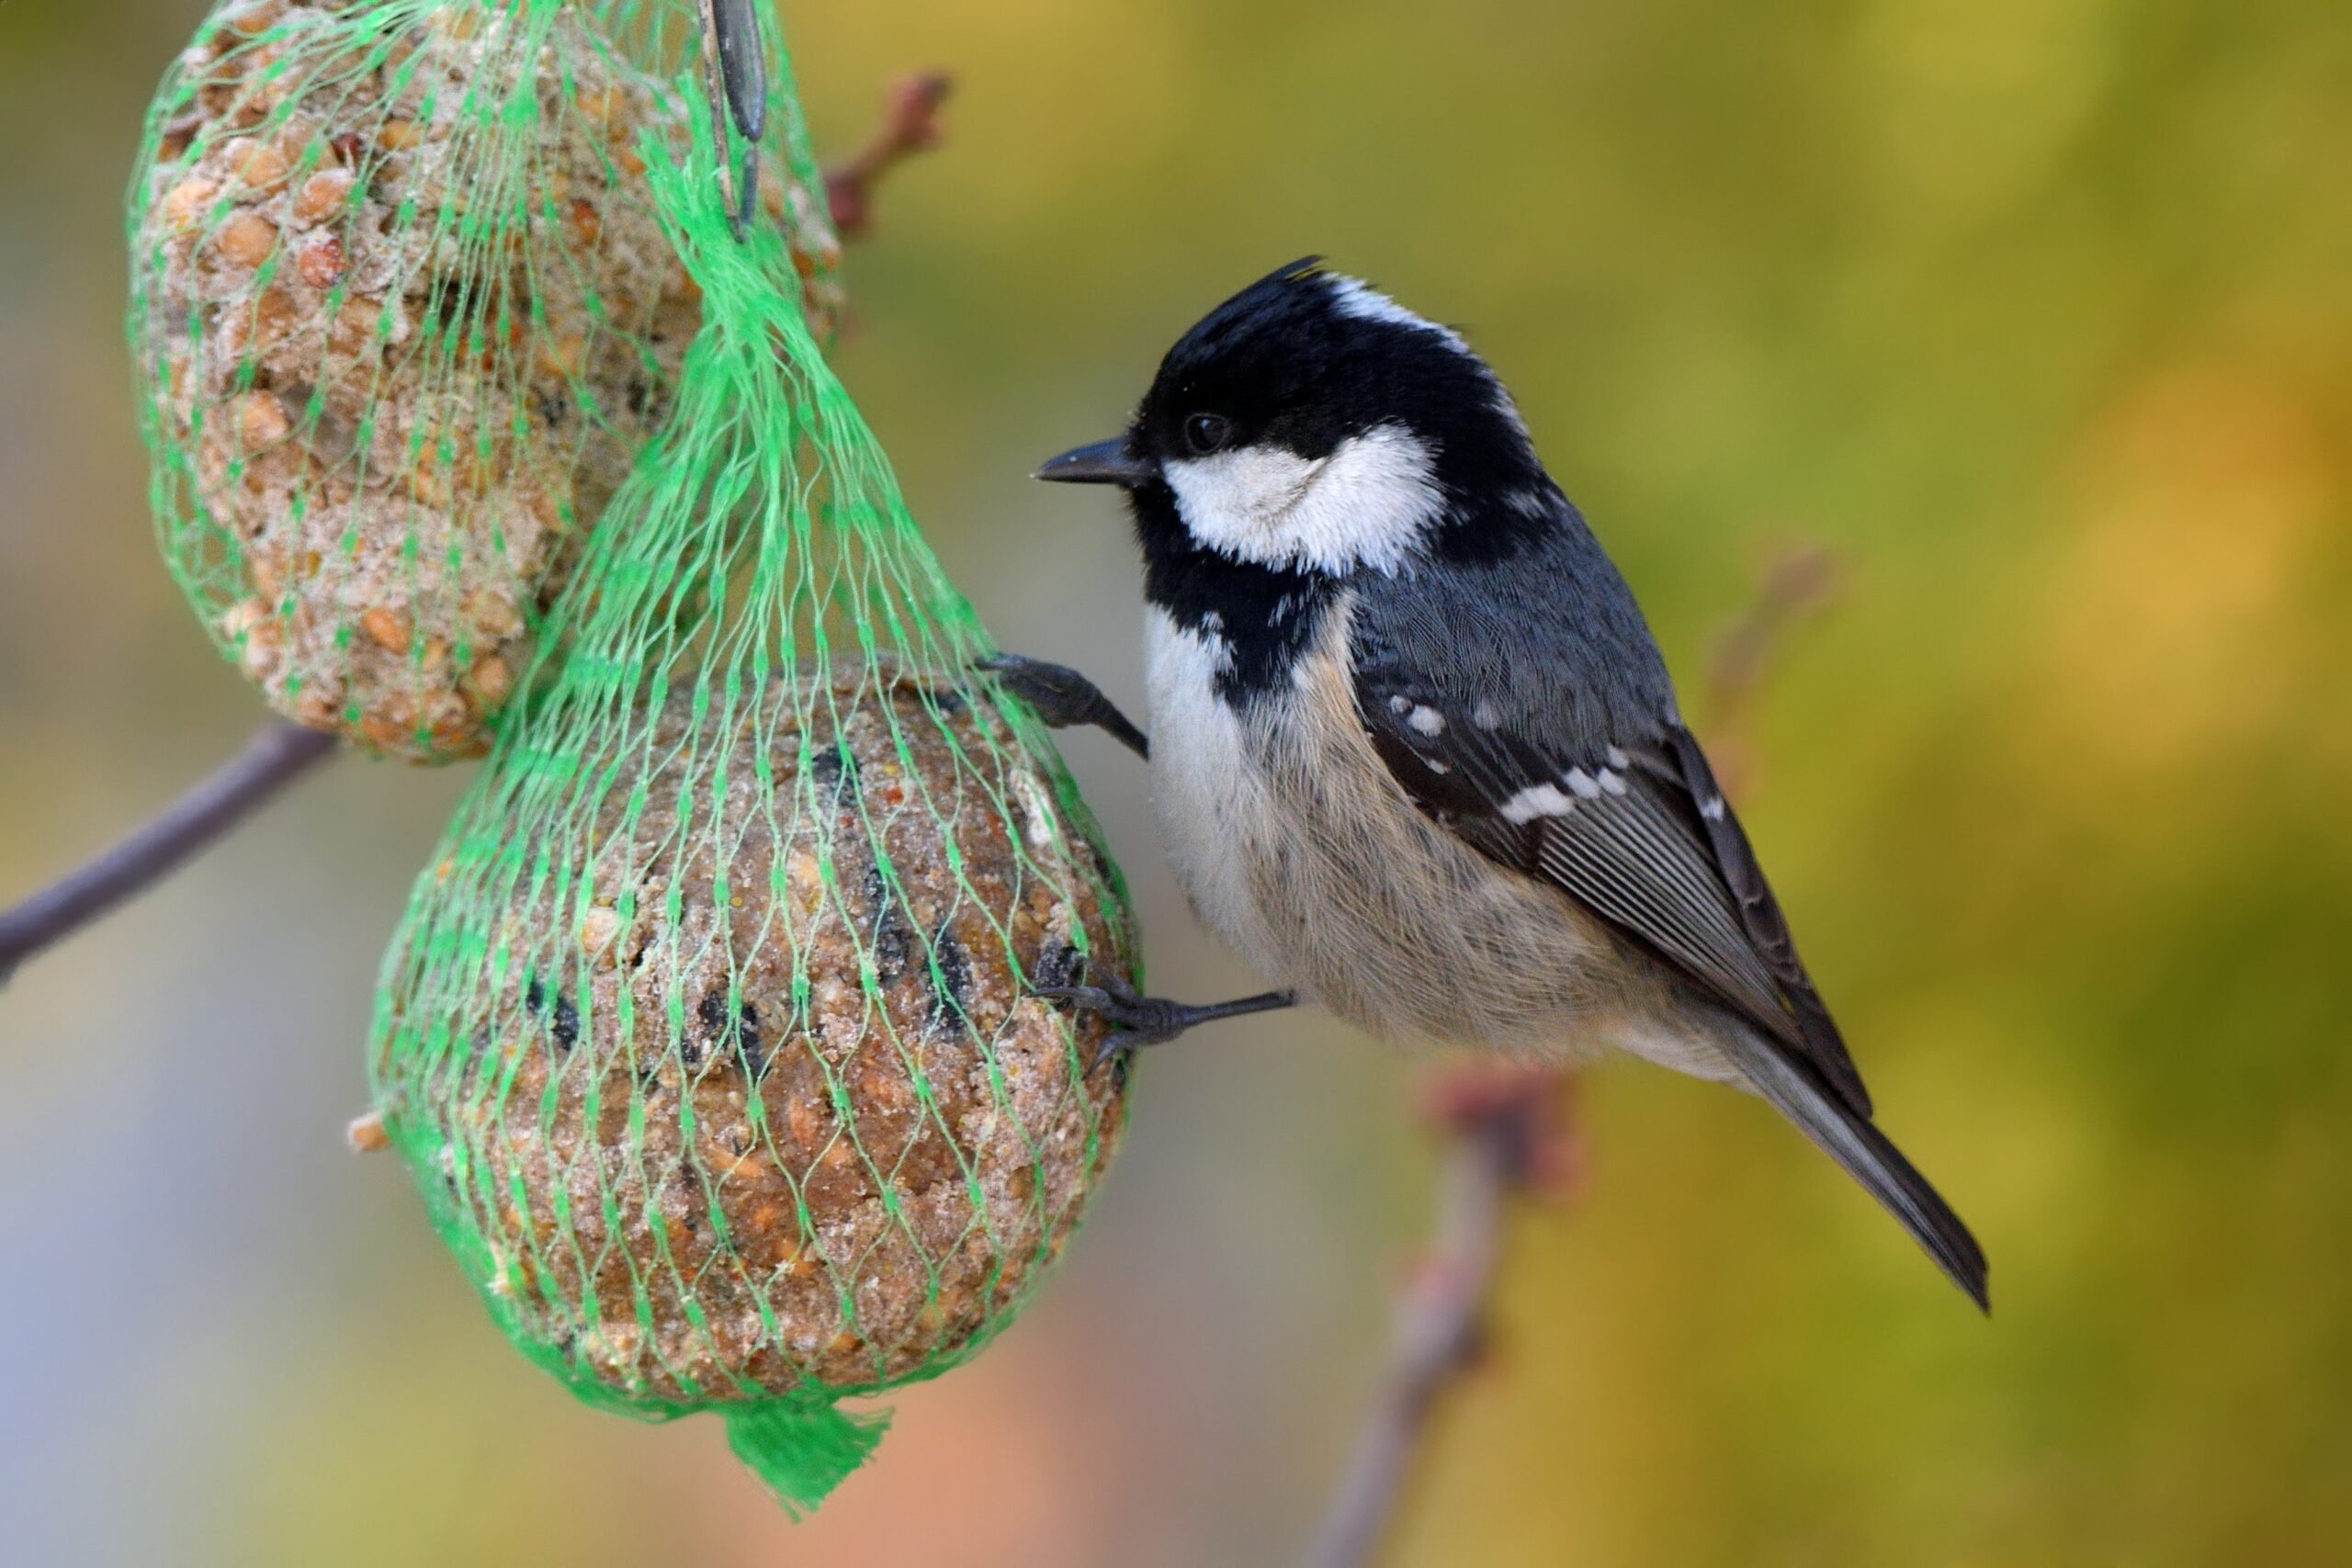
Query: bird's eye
1207, 433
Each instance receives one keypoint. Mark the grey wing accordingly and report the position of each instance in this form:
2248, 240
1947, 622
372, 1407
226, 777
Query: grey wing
1547, 742
1634, 829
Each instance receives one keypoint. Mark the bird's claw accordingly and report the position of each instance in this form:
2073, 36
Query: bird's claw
1136, 1020
1139, 1021
1064, 698
1061, 696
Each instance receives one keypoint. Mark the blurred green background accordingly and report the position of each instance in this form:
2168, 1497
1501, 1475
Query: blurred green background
2036, 313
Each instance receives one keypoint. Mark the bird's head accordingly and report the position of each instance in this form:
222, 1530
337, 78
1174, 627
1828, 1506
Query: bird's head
1311, 425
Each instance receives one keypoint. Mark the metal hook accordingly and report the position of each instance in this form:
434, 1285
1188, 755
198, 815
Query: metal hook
735, 70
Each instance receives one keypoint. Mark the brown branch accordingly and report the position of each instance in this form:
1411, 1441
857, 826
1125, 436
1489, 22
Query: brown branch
1512, 1135
275, 758
1510, 1131
910, 124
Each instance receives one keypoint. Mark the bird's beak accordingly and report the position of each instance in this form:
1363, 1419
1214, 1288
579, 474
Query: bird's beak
1104, 462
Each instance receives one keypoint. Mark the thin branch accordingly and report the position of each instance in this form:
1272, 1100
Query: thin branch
910, 124
275, 758
1511, 1132
1512, 1135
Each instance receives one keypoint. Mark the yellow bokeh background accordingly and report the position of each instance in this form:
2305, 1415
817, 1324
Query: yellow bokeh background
2035, 314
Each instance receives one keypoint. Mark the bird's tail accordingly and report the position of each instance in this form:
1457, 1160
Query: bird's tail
1869, 1157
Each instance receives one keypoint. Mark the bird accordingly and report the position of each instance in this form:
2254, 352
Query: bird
1414, 752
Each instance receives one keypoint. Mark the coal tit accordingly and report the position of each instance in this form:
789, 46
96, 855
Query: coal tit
1418, 758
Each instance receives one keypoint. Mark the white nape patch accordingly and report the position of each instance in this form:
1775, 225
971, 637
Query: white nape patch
1712, 808
1584, 783
1370, 503
1428, 721
1536, 800
1356, 298
1484, 716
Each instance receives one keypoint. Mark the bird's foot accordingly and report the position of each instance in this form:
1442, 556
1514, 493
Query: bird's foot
1064, 698
1138, 1020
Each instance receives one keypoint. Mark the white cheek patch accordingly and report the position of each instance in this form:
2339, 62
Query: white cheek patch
1369, 504
1234, 500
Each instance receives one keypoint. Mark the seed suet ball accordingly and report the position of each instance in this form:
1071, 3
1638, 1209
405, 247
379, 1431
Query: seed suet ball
406, 314
761, 1101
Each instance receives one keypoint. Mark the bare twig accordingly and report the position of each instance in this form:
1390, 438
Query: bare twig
1510, 1133
910, 124
274, 759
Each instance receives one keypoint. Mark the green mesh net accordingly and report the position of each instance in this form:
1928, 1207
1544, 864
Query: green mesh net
710, 1034
405, 314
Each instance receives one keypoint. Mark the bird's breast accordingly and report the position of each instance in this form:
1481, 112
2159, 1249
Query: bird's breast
1265, 798
1298, 848
1213, 818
